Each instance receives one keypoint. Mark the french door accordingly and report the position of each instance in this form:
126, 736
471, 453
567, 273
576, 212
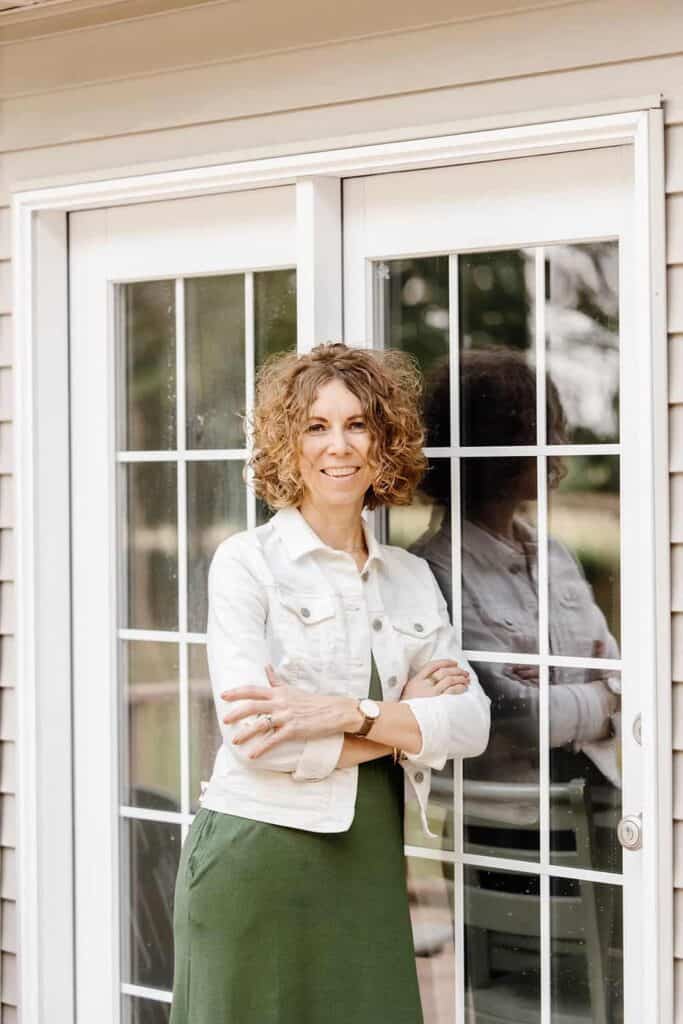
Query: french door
509, 283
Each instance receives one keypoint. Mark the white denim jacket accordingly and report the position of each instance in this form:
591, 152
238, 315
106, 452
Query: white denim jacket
278, 594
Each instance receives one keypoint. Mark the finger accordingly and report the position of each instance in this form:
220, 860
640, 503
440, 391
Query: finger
247, 708
450, 681
267, 744
432, 666
450, 673
260, 725
456, 688
247, 693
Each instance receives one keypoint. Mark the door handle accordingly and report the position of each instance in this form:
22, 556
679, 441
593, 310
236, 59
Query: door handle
630, 831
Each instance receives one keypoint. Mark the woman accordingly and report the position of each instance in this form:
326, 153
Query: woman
330, 655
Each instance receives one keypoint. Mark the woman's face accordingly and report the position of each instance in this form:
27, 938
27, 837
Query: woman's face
334, 448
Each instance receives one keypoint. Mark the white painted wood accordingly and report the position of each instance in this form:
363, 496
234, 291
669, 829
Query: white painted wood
5, 234
677, 716
675, 290
676, 368
676, 438
674, 228
319, 255
7, 608
6, 447
677, 578
198, 236
8, 978
678, 785
6, 501
8, 874
8, 673
8, 819
8, 775
6, 341
677, 647
464, 208
7, 714
676, 494
674, 158
6, 394
678, 923
678, 854
7, 555
44, 668
5, 285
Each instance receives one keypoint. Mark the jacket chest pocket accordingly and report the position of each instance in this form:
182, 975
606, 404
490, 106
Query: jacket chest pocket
308, 625
414, 634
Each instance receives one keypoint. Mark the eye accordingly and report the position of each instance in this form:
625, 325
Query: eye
357, 425
314, 428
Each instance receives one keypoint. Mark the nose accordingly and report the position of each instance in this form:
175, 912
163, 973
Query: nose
338, 440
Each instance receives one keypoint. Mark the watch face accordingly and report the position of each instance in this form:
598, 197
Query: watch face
370, 708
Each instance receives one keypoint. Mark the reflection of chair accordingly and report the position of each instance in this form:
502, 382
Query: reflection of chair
502, 916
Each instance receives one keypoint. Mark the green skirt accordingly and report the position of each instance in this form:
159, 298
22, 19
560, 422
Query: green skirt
276, 925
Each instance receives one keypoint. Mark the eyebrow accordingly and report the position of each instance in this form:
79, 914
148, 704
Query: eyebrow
356, 416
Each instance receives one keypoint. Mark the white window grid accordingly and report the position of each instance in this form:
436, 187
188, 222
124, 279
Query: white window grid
544, 660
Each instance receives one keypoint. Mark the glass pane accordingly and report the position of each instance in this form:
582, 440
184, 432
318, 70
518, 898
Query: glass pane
151, 546
216, 508
274, 313
587, 945
205, 736
497, 377
499, 555
583, 556
144, 1011
502, 947
501, 803
582, 316
214, 328
585, 804
430, 891
150, 727
148, 372
411, 314
150, 853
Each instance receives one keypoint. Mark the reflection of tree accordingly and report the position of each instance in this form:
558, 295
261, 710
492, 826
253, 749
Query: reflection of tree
150, 364
496, 299
582, 314
274, 313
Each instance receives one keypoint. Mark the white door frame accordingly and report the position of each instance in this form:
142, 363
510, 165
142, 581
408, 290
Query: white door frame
44, 714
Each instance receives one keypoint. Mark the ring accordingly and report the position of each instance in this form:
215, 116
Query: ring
271, 723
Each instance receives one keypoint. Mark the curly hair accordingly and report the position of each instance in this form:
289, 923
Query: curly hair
389, 387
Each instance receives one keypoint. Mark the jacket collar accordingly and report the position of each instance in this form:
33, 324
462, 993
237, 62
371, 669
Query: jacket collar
299, 539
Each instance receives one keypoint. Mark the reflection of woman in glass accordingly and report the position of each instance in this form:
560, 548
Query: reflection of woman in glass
327, 652
500, 581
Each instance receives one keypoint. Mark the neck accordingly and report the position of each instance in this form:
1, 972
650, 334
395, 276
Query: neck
497, 517
338, 527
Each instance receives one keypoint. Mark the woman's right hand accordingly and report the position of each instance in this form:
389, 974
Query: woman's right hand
435, 678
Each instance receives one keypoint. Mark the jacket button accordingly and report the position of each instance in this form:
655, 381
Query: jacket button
419, 628
376, 624
305, 612
419, 777
392, 680
364, 575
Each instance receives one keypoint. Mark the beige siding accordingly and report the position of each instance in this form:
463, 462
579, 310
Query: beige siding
199, 85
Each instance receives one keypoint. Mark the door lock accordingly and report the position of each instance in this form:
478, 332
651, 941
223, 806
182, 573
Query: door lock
630, 831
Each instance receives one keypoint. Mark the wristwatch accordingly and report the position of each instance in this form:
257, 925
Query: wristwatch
371, 710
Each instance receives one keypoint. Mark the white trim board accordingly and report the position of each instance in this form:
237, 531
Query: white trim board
43, 648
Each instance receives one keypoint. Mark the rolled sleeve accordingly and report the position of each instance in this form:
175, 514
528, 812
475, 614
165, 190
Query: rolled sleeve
452, 725
237, 653
319, 758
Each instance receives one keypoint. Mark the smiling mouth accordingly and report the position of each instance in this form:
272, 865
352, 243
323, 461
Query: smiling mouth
341, 472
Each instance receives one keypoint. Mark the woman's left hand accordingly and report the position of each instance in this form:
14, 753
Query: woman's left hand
437, 677
284, 712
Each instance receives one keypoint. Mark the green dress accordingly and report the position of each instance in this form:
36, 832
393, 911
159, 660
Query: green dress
277, 925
